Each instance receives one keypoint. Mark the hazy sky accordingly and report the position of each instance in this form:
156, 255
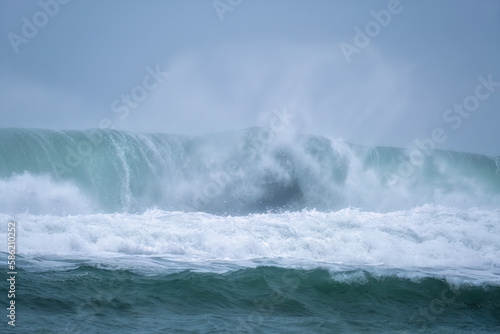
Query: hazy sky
227, 64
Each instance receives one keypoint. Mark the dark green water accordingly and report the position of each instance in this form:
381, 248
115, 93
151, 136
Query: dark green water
253, 300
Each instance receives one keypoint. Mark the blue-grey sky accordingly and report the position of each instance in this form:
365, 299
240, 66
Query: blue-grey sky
227, 64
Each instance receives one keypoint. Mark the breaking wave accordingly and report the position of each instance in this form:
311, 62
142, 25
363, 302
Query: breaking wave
248, 171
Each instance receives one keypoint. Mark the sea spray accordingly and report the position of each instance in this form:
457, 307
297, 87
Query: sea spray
232, 173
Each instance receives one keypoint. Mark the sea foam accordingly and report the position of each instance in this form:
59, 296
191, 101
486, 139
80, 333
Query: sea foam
422, 239
235, 173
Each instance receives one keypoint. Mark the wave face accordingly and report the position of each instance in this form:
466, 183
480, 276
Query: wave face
260, 300
249, 171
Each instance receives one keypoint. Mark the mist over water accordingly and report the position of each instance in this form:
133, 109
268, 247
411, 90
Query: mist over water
237, 173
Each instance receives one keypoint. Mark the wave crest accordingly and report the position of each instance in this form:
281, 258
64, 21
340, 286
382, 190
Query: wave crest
248, 171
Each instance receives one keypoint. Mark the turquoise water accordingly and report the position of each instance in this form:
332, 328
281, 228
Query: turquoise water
236, 173
247, 232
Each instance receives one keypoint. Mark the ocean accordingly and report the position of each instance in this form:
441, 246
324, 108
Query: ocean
248, 231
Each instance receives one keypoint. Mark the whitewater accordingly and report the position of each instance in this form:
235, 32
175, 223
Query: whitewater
244, 231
